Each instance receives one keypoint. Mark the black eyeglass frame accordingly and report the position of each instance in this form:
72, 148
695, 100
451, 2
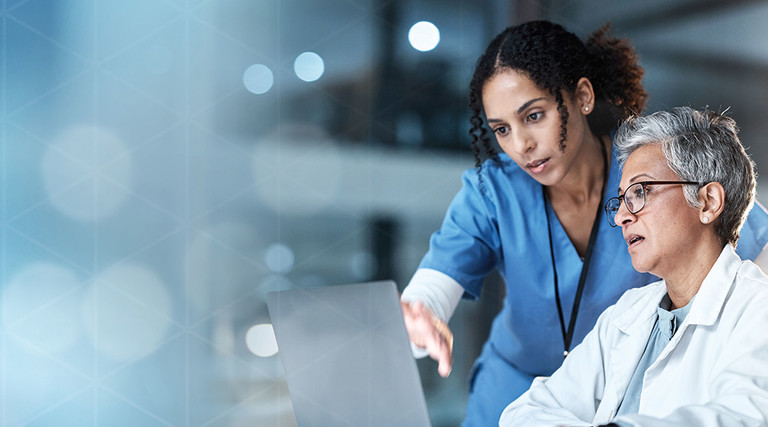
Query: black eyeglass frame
611, 218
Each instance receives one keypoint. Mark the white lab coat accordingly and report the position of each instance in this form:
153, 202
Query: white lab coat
714, 371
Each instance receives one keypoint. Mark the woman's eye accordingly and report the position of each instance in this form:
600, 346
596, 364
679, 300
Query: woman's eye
501, 130
534, 117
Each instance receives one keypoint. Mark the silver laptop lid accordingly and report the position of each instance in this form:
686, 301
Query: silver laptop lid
346, 356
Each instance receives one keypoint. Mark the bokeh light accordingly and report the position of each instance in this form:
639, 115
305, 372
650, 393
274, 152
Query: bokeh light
81, 170
424, 36
127, 312
40, 305
261, 341
309, 66
279, 258
258, 79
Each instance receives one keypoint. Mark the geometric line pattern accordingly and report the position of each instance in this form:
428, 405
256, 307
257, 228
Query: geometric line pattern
143, 187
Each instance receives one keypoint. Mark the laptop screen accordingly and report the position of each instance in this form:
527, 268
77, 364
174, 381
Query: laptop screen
346, 356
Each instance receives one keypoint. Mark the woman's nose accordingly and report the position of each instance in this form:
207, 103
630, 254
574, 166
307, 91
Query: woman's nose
522, 142
623, 215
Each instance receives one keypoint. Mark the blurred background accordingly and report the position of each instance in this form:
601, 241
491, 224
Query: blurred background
165, 163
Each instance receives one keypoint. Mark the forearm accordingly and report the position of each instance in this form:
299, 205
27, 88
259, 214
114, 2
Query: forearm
436, 290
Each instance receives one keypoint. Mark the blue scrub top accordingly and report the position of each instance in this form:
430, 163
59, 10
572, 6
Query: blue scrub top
501, 224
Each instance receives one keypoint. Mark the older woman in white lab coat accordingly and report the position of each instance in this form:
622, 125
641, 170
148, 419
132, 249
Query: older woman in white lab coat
691, 349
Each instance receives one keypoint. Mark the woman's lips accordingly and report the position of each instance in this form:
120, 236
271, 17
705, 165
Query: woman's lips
634, 240
537, 166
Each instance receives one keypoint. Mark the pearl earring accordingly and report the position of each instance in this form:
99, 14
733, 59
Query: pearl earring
586, 108
705, 219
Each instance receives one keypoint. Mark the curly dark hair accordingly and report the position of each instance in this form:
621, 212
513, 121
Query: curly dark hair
555, 59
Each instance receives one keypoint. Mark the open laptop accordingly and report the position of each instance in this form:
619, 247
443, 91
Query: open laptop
346, 356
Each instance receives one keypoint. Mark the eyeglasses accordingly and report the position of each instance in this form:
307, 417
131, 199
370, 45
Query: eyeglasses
634, 198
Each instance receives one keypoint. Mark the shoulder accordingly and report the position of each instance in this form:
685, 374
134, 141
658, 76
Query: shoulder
746, 306
754, 233
752, 281
757, 213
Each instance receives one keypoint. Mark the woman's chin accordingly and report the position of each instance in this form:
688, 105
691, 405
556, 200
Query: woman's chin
548, 179
640, 265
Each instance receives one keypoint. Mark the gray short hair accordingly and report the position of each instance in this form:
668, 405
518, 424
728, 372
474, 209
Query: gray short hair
701, 146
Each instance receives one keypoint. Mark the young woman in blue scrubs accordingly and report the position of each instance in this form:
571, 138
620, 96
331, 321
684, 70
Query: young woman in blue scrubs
534, 211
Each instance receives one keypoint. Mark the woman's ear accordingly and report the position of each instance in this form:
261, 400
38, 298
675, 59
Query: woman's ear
585, 95
712, 201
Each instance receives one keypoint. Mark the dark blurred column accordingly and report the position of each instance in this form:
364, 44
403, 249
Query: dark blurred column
383, 238
388, 91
